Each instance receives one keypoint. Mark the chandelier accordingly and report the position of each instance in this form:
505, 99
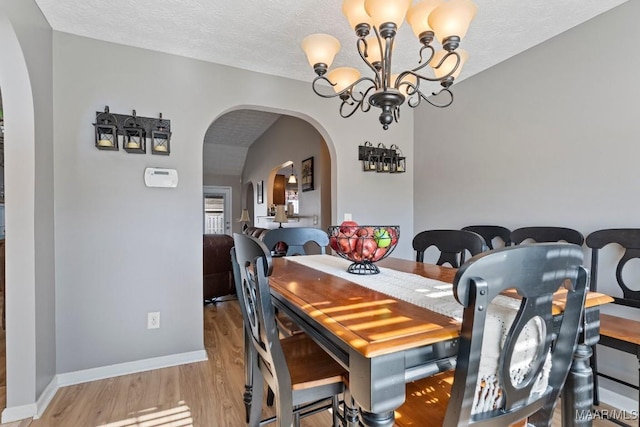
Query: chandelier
446, 21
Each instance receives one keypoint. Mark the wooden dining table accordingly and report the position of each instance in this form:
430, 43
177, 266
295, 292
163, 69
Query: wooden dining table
385, 342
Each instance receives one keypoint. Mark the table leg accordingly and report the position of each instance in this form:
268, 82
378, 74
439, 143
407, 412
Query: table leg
378, 386
370, 419
577, 395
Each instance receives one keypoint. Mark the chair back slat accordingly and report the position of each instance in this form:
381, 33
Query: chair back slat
547, 235
490, 232
296, 238
535, 272
629, 240
452, 244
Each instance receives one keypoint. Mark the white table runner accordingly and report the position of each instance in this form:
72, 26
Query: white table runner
438, 296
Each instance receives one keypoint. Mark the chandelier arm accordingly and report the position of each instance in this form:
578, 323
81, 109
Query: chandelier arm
418, 96
355, 103
422, 49
362, 51
422, 65
344, 92
396, 114
453, 70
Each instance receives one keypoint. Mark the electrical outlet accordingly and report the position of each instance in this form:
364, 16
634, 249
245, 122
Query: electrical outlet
153, 320
315, 220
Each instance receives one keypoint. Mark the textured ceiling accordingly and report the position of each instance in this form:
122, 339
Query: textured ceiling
264, 36
228, 139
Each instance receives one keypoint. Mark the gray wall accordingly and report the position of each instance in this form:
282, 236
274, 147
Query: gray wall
549, 137
123, 249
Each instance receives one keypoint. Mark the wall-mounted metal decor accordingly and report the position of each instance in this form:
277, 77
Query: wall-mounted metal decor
161, 136
132, 131
106, 127
381, 158
134, 135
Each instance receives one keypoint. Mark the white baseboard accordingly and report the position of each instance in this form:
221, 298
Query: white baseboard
46, 396
17, 413
35, 410
94, 374
617, 400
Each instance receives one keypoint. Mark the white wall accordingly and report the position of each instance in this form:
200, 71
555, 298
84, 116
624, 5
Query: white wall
549, 137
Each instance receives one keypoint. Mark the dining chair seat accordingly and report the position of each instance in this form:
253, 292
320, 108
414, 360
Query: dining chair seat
302, 376
427, 402
516, 388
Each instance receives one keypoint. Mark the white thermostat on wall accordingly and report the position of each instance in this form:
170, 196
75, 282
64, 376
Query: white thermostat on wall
158, 177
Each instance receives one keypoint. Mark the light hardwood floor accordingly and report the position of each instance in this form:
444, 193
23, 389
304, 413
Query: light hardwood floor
204, 394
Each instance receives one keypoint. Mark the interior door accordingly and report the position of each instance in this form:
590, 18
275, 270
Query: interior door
217, 210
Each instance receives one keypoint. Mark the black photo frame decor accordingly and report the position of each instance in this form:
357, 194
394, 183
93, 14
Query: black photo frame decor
260, 192
307, 174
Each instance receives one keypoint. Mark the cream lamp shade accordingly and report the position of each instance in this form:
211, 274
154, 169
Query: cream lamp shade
343, 77
292, 177
244, 217
449, 63
281, 215
383, 11
418, 15
355, 13
320, 48
452, 18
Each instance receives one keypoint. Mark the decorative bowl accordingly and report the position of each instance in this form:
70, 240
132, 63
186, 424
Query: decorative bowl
363, 244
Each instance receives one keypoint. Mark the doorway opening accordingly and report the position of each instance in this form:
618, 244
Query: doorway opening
217, 210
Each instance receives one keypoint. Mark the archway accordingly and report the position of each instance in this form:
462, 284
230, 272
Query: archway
20, 131
324, 161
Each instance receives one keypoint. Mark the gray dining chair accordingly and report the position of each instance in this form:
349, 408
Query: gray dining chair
452, 244
296, 238
536, 272
617, 330
284, 364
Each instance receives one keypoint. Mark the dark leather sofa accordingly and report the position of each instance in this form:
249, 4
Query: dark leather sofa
217, 274
217, 279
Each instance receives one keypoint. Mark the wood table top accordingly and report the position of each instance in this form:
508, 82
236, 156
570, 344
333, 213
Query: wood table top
371, 322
